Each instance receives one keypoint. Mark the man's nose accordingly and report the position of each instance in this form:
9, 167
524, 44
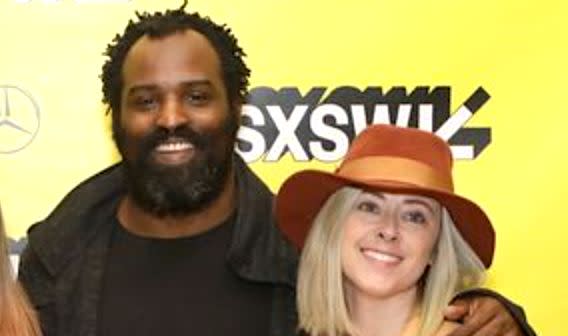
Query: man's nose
172, 114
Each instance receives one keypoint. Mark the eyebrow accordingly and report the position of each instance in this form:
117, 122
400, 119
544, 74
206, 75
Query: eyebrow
185, 84
419, 201
375, 193
407, 201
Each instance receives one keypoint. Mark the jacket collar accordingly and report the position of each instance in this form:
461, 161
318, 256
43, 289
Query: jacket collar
259, 252
67, 229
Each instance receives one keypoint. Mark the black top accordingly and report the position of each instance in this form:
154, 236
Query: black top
180, 286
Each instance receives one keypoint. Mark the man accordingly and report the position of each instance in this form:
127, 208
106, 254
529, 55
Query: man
179, 238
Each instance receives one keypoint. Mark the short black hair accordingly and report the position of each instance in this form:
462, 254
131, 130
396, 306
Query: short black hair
234, 70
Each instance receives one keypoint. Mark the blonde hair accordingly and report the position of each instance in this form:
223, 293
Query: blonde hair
322, 308
455, 268
17, 318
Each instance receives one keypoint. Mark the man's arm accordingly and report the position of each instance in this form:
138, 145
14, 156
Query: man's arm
487, 313
40, 288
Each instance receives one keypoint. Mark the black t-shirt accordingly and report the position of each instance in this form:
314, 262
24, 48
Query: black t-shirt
181, 286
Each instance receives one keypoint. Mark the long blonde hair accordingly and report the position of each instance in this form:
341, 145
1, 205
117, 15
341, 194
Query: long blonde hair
455, 268
17, 317
322, 309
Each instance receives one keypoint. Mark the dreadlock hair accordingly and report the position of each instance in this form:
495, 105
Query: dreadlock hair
159, 24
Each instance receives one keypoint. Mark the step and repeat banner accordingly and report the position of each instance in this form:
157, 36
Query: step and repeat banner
487, 76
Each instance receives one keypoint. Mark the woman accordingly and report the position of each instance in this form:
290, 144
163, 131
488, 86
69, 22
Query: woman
17, 318
386, 243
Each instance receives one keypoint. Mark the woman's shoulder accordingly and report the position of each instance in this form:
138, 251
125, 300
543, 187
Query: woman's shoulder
446, 328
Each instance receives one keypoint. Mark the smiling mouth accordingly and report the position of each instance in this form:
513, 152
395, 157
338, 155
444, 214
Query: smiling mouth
381, 256
176, 146
174, 151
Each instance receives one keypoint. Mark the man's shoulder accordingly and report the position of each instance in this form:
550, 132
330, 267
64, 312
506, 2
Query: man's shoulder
258, 245
87, 194
71, 217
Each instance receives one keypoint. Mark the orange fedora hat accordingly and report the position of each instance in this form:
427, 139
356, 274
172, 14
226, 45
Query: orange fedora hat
389, 159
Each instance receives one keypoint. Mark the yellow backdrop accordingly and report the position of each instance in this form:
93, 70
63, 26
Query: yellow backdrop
54, 132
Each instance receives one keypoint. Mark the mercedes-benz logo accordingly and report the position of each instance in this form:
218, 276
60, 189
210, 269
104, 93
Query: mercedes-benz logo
19, 119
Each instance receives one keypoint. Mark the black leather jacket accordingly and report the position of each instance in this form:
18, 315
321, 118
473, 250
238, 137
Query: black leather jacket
63, 264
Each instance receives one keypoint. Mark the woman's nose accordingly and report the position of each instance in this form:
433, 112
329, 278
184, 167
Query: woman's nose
388, 230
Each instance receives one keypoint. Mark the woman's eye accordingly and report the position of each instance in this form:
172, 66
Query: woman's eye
368, 206
416, 217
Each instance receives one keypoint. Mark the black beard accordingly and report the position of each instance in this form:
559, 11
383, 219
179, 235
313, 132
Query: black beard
184, 189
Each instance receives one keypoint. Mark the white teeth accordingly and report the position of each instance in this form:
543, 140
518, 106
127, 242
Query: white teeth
173, 147
380, 256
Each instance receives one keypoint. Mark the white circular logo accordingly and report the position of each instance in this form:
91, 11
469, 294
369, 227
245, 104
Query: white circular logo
19, 119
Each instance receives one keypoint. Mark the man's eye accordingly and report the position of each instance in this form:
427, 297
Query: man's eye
416, 217
145, 102
197, 97
367, 206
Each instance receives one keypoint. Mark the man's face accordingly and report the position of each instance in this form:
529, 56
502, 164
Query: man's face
176, 130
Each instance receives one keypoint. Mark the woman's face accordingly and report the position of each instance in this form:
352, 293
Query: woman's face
387, 243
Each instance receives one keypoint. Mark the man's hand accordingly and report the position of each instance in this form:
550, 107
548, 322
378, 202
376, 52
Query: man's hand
482, 316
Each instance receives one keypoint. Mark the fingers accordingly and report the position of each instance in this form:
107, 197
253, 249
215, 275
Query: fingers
487, 318
474, 325
491, 328
507, 324
457, 311
499, 321
498, 327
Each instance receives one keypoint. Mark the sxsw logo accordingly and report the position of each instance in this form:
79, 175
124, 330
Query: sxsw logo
321, 123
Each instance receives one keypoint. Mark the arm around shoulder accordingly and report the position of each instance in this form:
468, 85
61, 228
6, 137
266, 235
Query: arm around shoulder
516, 311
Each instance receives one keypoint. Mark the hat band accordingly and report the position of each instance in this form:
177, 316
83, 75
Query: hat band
395, 169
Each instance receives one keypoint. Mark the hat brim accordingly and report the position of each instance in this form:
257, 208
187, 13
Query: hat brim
303, 194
